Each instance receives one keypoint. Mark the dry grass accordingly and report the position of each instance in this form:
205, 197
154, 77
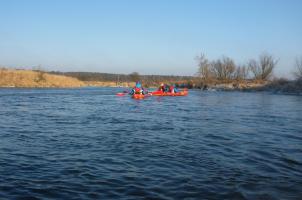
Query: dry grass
28, 78
40, 79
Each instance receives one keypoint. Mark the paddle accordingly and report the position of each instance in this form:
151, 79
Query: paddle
122, 93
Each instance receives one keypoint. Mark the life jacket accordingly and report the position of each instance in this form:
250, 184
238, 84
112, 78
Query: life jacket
137, 90
171, 89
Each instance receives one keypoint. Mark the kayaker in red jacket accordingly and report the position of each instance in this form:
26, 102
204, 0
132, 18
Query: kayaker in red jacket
173, 89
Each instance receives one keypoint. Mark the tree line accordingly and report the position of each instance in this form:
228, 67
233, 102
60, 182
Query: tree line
225, 69
148, 80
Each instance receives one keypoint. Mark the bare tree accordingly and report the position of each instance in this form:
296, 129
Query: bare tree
298, 68
254, 68
267, 63
216, 68
204, 70
224, 68
263, 68
228, 68
241, 72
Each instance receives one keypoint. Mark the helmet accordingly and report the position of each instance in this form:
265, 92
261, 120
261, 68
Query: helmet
161, 84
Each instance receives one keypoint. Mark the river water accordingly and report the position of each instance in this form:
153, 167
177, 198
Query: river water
90, 144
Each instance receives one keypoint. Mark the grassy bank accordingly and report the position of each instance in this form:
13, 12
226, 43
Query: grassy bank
41, 79
35, 79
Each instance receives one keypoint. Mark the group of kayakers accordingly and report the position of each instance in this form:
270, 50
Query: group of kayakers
167, 88
138, 89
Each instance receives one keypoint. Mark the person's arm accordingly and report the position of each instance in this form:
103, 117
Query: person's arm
132, 91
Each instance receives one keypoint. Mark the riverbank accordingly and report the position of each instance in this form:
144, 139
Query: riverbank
36, 79
235, 85
282, 86
39, 79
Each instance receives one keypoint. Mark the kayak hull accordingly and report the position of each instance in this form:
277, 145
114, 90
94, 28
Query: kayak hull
138, 96
160, 93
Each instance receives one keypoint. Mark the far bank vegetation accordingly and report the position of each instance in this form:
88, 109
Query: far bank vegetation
128, 80
224, 70
37, 77
222, 73
256, 74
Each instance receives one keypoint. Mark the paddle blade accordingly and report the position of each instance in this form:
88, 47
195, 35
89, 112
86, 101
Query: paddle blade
120, 94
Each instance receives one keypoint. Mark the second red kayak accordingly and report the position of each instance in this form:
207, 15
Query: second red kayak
160, 93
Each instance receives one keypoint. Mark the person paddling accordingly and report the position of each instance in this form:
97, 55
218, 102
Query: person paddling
161, 87
138, 89
173, 89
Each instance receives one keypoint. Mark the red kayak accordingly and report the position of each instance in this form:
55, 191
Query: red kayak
138, 96
160, 93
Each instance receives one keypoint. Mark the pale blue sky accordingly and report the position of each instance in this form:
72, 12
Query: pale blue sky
151, 37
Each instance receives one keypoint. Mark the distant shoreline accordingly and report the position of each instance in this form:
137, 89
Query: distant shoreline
11, 78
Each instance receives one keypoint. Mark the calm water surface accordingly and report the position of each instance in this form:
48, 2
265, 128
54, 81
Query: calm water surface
90, 144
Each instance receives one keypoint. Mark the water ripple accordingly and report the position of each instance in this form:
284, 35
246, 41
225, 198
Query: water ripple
90, 144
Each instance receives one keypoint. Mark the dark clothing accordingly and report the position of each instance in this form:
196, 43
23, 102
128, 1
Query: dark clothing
161, 88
